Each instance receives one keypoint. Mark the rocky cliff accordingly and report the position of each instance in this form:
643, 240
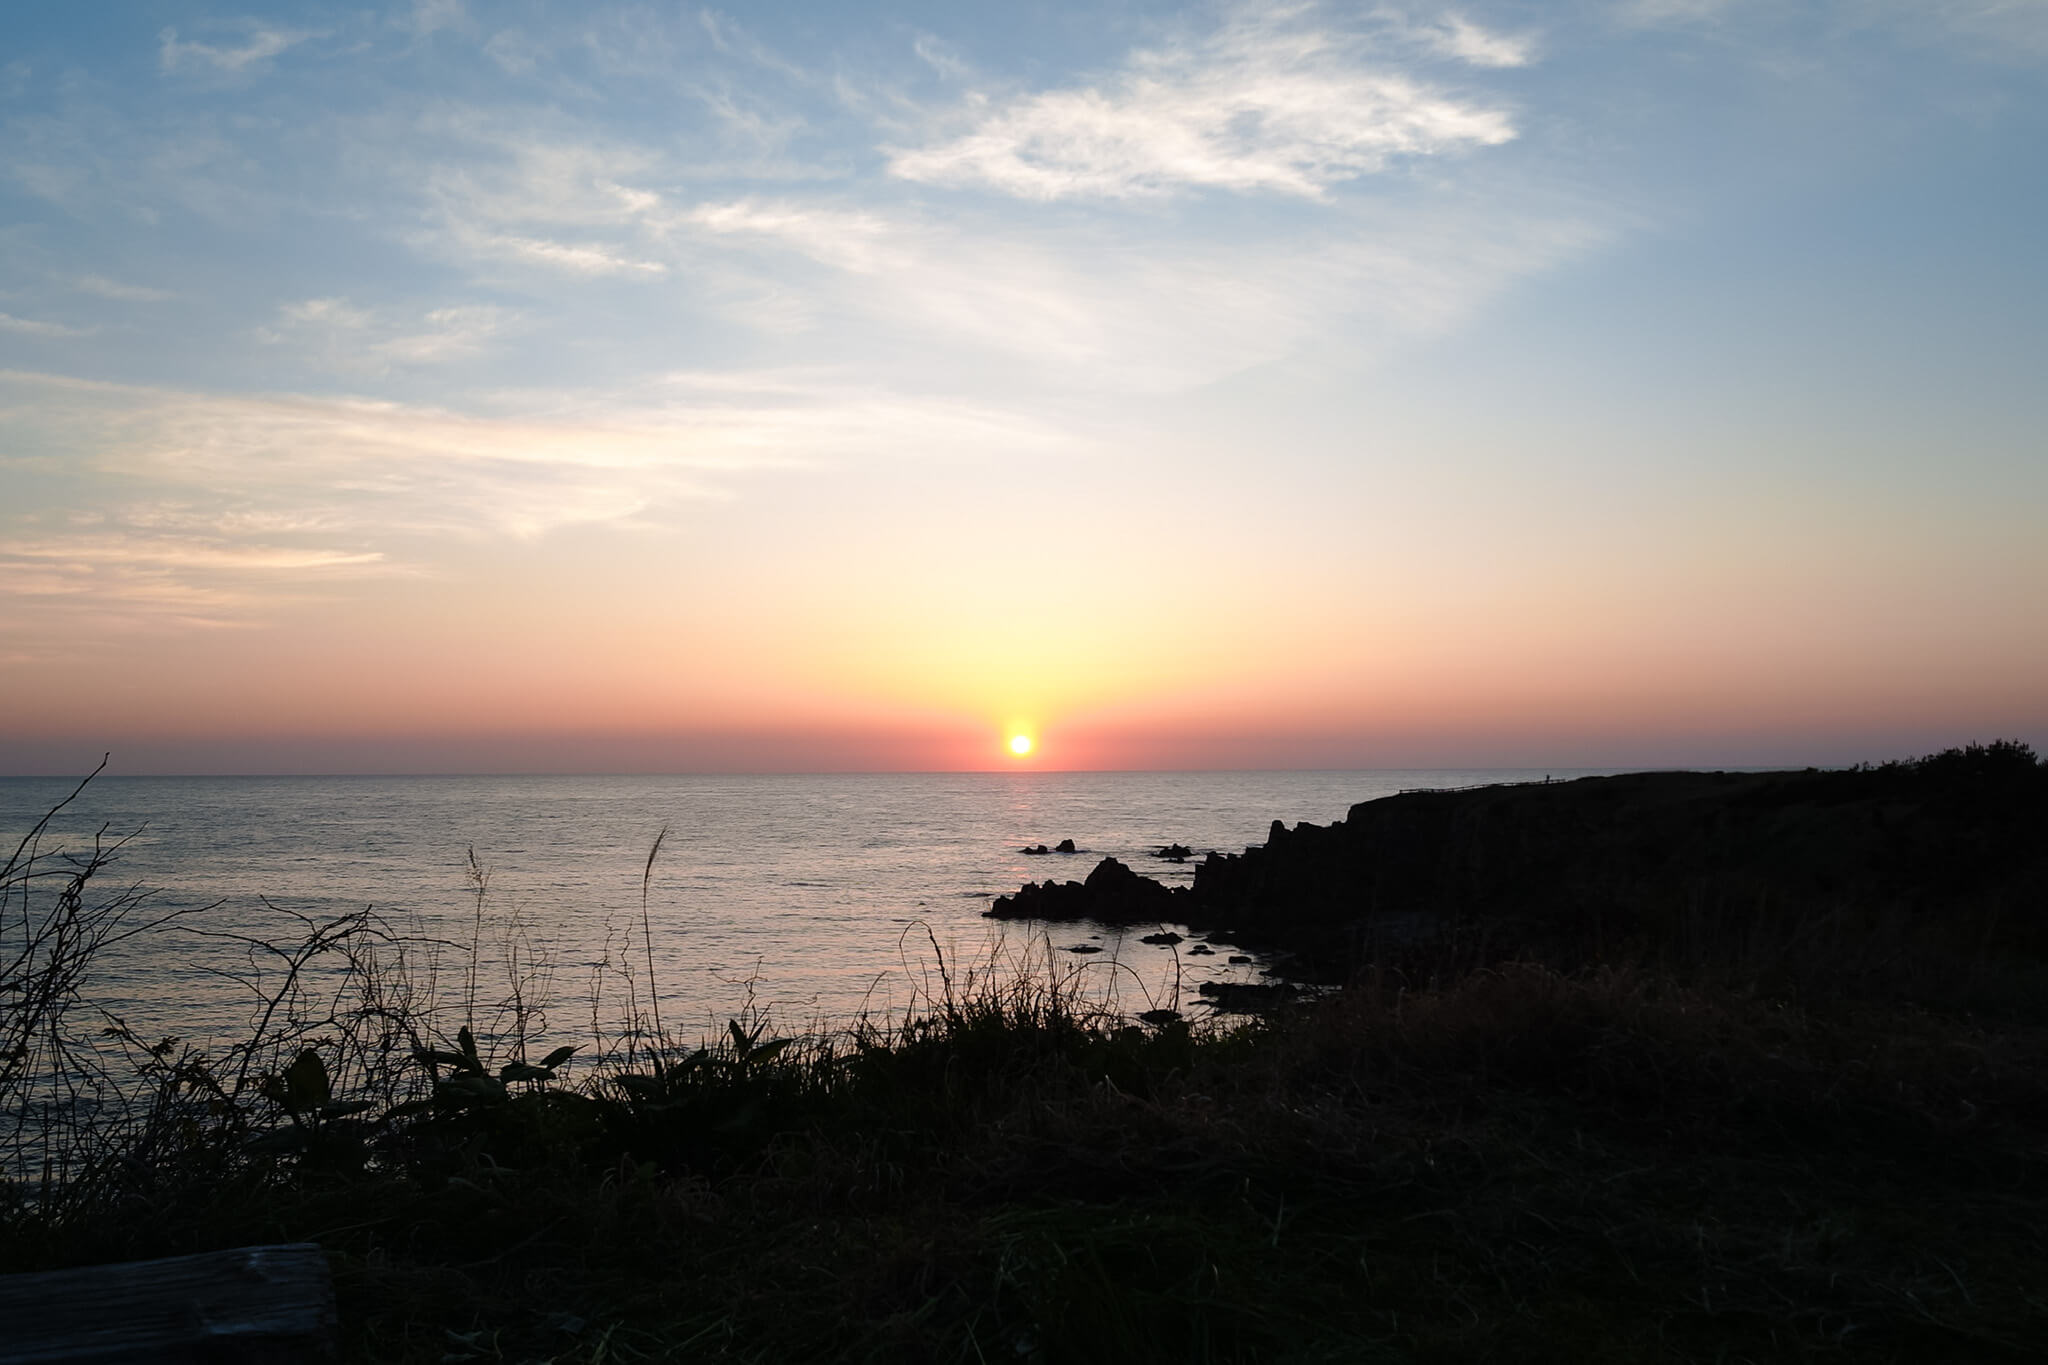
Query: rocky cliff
1619, 860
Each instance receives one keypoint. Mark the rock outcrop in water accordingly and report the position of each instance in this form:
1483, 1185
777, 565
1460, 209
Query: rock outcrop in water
1113, 894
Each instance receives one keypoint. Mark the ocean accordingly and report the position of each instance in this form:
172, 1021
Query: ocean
810, 898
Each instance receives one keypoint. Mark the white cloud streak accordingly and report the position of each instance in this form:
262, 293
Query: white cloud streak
262, 44
525, 196
1459, 38
238, 502
340, 336
574, 258
239, 471
239, 507
34, 327
1265, 105
187, 554
105, 288
1097, 313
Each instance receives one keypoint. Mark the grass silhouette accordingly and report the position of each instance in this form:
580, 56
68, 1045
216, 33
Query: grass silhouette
1736, 1140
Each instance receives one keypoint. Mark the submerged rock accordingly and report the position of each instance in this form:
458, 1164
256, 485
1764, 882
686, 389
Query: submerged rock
1165, 938
1237, 997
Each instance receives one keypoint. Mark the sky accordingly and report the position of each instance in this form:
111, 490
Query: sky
506, 387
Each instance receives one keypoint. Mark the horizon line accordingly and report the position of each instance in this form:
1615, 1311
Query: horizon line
1581, 769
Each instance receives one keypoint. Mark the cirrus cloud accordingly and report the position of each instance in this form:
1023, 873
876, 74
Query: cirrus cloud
1266, 104
260, 46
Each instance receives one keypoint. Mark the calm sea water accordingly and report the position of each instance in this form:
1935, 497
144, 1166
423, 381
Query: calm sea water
820, 896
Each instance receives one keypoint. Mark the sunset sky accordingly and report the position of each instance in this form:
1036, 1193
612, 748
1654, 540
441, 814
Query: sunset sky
505, 386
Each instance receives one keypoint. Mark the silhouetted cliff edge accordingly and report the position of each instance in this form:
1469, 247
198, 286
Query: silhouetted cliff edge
1956, 843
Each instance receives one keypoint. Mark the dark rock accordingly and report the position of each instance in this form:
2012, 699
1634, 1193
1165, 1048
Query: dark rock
1113, 894
1201, 950
1165, 939
1160, 1018
1239, 960
1563, 871
1035, 849
1237, 997
1064, 846
1086, 948
1553, 870
1175, 853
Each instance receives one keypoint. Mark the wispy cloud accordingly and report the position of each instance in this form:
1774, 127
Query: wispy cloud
124, 293
536, 196
447, 334
1457, 37
232, 509
2005, 31
327, 312
340, 336
1279, 101
1674, 11
1269, 103
574, 258
429, 17
65, 592
1090, 311
36, 327
260, 46
366, 468
187, 554
854, 240
515, 53
53, 604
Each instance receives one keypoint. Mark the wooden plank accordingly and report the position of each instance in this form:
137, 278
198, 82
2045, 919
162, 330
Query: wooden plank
249, 1306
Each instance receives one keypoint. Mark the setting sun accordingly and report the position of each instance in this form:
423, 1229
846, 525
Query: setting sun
1020, 745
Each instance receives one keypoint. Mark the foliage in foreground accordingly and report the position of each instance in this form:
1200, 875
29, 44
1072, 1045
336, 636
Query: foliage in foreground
1525, 1165
1624, 1162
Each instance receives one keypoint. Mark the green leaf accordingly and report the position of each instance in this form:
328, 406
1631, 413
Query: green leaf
520, 1071
558, 1056
305, 1083
466, 1040
767, 1050
279, 1140
341, 1109
473, 1087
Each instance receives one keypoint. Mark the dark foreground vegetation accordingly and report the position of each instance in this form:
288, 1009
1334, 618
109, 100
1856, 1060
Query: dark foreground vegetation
1722, 1105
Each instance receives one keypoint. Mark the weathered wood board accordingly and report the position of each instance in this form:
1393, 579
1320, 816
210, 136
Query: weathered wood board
250, 1306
